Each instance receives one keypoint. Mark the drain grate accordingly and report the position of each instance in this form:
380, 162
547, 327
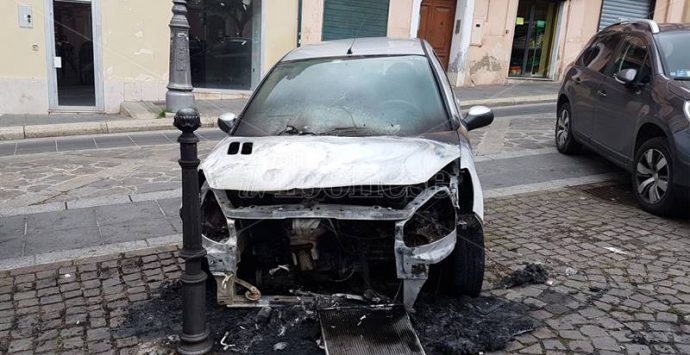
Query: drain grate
618, 193
361, 331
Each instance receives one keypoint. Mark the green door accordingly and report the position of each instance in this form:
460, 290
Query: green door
354, 18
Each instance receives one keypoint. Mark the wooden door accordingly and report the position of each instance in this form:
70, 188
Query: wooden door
436, 22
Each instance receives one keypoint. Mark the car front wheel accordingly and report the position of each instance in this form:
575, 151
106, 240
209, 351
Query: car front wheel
653, 177
565, 141
465, 266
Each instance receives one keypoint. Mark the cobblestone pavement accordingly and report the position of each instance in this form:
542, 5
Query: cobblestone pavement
619, 282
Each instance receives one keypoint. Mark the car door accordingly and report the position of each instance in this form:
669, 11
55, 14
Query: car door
587, 78
620, 105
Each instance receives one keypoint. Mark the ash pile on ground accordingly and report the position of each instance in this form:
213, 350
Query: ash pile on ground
444, 325
468, 325
530, 274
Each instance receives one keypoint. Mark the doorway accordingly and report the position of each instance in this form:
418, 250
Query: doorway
73, 64
436, 18
533, 38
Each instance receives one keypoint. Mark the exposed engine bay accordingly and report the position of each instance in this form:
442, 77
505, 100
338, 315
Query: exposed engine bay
382, 241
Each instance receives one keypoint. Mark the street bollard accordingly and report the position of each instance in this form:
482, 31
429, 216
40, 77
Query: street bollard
195, 332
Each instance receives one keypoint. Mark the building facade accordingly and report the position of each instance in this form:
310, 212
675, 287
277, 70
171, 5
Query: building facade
493, 41
92, 55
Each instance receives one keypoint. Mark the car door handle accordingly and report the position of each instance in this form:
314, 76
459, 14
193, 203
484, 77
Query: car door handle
601, 93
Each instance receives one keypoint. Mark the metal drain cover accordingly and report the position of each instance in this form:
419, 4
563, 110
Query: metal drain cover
613, 194
364, 330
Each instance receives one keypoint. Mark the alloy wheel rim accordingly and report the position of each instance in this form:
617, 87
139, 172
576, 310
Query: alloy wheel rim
652, 176
562, 128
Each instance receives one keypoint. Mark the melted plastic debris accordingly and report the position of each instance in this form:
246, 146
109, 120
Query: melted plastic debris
530, 274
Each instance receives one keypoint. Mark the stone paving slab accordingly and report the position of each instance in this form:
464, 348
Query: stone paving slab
619, 282
29, 235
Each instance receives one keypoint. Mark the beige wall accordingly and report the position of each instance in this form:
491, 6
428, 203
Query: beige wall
576, 30
23, 65
312, 21
136, 50
399, 18
491, 42
280, 30
670, 10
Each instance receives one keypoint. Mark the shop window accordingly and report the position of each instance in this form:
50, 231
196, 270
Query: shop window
535, 25
223, 43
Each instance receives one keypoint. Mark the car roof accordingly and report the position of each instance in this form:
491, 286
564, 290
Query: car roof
674, 27
371, 46
646, 26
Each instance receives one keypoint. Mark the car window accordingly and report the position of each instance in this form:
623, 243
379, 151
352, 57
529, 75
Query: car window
389, 95
633, 54
600, 52
674, 48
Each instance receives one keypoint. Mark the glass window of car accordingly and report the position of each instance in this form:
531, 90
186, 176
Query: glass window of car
674, 48
633, 54
600, 52
388, 95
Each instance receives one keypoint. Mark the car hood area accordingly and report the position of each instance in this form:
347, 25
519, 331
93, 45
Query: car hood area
282, 163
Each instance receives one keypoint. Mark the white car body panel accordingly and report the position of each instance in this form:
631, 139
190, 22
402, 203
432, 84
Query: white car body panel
283, 163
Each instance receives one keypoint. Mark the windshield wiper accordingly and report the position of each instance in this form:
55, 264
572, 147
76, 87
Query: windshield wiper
293, 131
681, 78
346, 130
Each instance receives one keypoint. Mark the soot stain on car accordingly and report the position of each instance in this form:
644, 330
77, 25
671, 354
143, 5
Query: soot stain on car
444, 325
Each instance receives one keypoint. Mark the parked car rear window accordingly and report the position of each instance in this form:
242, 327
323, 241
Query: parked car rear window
392, 95
675, 54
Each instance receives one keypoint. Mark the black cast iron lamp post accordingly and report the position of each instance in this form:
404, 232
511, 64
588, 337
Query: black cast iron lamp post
195, 333
179, 94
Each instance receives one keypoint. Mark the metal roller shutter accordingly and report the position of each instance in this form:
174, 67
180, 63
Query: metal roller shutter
613, 10
354, 18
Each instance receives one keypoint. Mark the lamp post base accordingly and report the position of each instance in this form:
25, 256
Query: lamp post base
195, 348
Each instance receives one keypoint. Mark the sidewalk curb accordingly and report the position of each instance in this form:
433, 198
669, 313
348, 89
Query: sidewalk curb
508, 101
166, 242
90, 128
140, 125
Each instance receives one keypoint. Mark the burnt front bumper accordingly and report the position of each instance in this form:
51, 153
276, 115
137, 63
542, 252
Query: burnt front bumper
411, 261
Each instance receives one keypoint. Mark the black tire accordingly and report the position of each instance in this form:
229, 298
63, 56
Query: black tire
563, 134
465, 267
653, 169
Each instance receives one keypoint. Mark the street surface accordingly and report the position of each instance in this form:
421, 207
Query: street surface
619, 278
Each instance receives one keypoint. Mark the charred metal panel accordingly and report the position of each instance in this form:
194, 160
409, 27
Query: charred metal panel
359, 331
283, 163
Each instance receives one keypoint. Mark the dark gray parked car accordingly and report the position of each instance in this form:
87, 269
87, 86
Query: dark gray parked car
627, 97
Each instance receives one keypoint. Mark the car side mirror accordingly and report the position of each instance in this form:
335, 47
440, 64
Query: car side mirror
478, 117
626, 76
227, 121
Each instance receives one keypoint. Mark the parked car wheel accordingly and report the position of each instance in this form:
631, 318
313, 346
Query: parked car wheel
565, 141
653, 177
465, 266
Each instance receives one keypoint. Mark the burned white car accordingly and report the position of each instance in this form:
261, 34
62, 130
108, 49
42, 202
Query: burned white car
349, 170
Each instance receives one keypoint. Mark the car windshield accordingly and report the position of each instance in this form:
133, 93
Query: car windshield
358, 96
675, 53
